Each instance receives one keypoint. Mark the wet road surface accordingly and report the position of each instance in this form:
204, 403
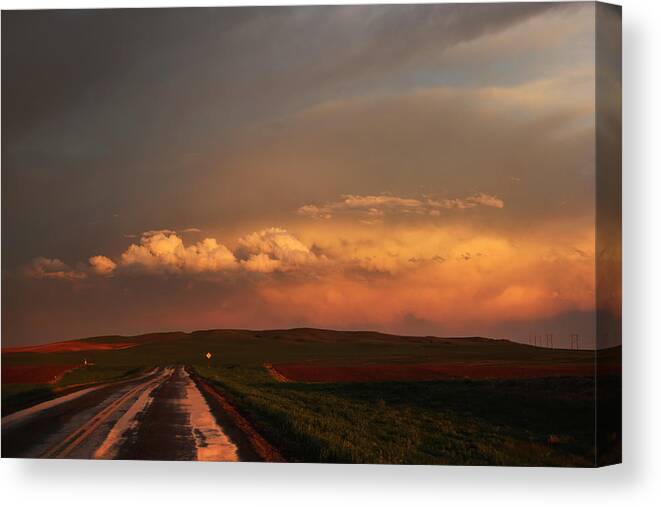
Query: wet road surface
159, 416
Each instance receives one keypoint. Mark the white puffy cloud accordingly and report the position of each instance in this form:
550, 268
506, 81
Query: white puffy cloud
102, 265
372, 207
164, 251
265, 251
42, 267
274, 249
208, 255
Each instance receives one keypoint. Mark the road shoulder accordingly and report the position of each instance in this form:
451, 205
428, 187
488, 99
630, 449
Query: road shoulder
251, 445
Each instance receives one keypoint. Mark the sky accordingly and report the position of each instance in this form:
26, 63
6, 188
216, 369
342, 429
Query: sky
424, 170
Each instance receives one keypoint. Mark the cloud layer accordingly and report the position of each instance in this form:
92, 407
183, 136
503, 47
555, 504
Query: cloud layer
396, 276
274, 249
164, 252
374, 206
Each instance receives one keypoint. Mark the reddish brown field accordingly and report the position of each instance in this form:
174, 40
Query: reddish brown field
71, 346
29, 374
427, 371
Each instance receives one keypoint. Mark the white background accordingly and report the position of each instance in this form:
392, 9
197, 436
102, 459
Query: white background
636, 482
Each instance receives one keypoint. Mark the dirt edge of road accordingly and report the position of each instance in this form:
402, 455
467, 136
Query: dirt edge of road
277, 376
250, 444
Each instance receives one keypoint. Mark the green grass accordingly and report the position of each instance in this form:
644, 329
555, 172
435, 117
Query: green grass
442, 422
18, 396
95, 374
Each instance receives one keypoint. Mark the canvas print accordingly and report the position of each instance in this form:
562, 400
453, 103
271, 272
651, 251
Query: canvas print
384, 234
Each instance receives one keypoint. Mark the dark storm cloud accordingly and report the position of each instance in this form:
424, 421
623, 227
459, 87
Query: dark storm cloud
105, 107
92, 81
53, 60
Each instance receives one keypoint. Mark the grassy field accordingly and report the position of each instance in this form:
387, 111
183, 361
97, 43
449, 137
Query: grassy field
253, 348
486, 422
515, 421
18, 396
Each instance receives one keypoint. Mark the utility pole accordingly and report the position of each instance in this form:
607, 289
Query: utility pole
549, 340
